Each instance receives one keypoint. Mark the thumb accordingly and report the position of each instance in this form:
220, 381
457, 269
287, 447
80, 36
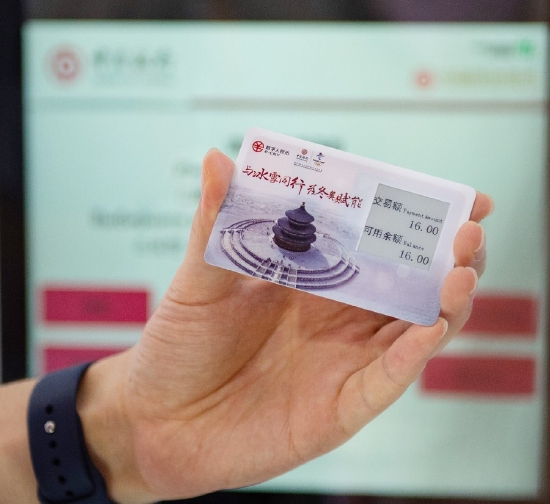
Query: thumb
217, 170
196, 281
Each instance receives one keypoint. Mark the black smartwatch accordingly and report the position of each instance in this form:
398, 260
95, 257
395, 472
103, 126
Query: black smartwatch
62, 466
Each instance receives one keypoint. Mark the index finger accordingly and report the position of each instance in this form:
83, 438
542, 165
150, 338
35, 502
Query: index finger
483, 207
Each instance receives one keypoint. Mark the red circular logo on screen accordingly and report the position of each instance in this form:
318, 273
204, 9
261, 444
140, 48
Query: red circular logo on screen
424, 79
304, 152
65, 64
258, 146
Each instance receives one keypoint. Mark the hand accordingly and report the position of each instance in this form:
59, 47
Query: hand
236, 380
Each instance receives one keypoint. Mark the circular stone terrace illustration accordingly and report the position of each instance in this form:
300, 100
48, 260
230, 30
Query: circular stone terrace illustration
249, 245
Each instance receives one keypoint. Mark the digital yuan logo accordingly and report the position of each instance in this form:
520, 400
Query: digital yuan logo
258, 146
424, 79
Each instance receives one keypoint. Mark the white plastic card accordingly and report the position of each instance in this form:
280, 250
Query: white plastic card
338, 225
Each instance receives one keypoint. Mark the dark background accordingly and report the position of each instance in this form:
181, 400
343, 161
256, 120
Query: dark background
290, 10
12, 231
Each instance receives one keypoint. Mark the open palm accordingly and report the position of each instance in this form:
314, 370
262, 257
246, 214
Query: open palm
237, 380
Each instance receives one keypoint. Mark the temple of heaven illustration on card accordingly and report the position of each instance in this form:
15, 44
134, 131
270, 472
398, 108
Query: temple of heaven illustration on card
290, 251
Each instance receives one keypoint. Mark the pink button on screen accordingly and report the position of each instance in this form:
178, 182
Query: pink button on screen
59, 357
480, 375
503, 315
95, 305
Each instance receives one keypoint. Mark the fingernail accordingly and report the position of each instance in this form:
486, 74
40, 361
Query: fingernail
479, 252
492, 207
446, 327
204, 176
475, 282
203, 181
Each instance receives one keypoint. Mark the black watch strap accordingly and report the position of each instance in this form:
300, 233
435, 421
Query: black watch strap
62, 465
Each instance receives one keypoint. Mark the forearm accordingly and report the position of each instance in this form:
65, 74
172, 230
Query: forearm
17, 479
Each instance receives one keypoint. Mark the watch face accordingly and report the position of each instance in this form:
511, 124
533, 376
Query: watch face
340, 226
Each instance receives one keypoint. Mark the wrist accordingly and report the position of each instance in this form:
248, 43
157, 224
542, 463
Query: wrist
108, 429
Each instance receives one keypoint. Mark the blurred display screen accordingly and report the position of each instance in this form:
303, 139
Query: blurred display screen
118, 116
